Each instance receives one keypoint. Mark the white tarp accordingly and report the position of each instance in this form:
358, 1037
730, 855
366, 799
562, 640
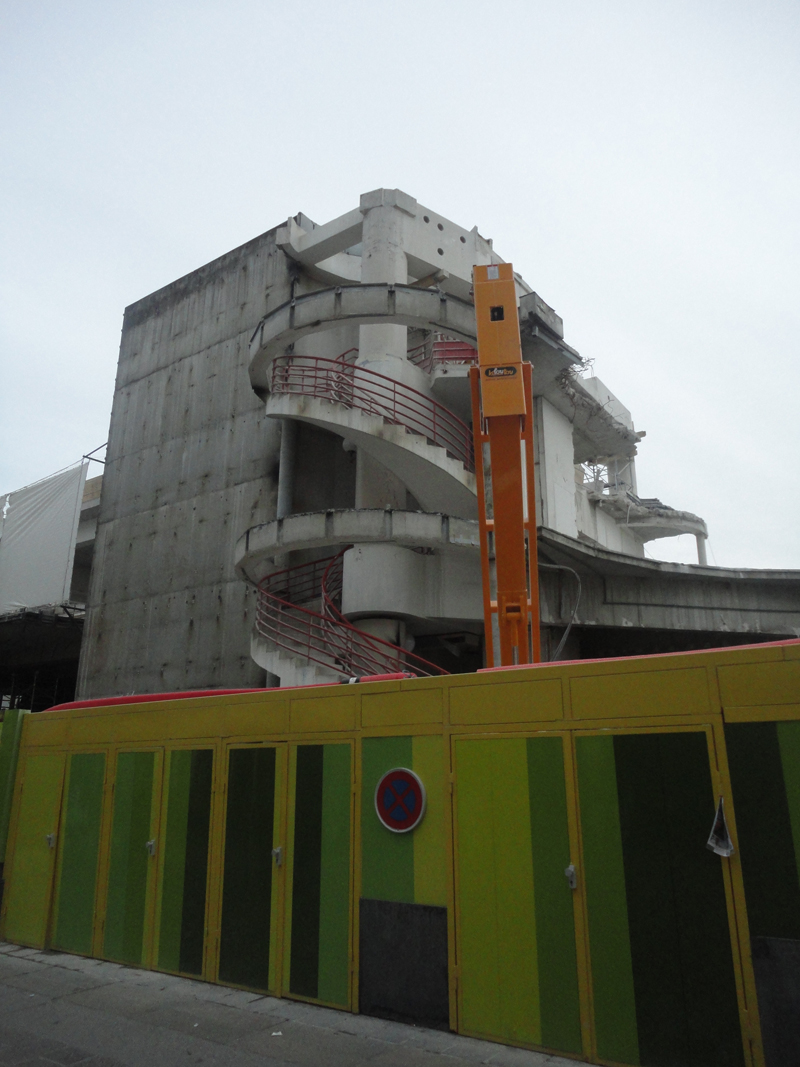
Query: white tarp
37, 540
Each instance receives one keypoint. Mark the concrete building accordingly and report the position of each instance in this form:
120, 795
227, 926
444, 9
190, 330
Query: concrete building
290, 456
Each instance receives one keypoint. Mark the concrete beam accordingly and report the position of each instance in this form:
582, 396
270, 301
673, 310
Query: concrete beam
256, 548
323, 241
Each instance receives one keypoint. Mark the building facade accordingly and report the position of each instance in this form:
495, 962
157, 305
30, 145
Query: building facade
289, 492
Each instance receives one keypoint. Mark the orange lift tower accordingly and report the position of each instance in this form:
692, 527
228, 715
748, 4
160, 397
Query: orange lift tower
502, 417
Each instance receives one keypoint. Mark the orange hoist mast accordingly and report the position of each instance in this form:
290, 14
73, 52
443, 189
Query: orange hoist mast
502, 418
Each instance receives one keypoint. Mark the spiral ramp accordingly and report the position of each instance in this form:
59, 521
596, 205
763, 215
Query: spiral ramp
387, 410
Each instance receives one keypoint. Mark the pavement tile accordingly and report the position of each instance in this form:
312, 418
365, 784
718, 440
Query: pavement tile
224, 994
66, 1056
311, 1045
116, 999
402, 1056
10, 965
211, 1022
508, 1056
50, 981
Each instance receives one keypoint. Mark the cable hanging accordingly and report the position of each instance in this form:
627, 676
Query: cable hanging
565, 635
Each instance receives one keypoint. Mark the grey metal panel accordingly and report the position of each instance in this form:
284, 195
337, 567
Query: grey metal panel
403, 962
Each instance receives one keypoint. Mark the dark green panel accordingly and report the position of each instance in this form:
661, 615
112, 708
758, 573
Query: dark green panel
387, 859
764, 828
712, 1011
183, 886
80, 844
652, 921
304, 967
169, 939
195, 879
127, 880
789, 744
609, 940
686, 1006
333, 983
555, 924
247, 875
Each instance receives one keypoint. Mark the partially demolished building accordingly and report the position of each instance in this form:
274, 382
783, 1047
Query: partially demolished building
289, 491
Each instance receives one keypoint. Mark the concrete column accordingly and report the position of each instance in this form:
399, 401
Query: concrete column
285, 479
286, 468
702, 558
382, 260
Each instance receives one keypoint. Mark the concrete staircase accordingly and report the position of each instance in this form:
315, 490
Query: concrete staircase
438, 481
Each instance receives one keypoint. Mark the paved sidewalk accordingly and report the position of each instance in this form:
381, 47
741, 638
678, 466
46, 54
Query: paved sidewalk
67, 1010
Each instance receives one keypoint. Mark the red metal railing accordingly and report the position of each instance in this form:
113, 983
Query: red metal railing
442, 350
375, 394
326, 638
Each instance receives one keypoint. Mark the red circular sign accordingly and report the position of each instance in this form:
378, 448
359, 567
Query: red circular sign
400, 800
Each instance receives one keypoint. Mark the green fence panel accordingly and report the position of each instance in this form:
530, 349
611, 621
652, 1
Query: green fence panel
79, 852
129, 866
604, 873
662, 967
319, 960
555, 922
764, 822
185, 874
9, 753
30, 878
247, 876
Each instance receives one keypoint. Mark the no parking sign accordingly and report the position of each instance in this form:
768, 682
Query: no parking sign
400, 800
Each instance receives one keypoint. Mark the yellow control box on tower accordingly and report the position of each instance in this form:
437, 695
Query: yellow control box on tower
499, 349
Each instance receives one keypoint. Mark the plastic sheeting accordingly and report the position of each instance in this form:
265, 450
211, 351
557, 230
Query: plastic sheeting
37, 540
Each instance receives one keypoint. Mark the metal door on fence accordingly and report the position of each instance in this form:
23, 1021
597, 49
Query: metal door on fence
661, 934
29, 880
128, 907
133, 865
140, 849
287, 871
517, 956
637, 963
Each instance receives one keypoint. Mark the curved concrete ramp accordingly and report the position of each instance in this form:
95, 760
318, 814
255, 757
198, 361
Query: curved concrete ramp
358, 305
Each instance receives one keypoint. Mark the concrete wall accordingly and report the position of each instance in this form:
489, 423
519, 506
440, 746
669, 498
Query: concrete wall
555, 469
602, 529
325, 474
192, 462
388, 579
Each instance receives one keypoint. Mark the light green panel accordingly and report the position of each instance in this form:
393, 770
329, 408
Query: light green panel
497, 916
334, 895
609, 937
30, 880
430, 843
79, 852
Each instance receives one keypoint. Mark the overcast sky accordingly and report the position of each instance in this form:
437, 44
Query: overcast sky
637, 161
